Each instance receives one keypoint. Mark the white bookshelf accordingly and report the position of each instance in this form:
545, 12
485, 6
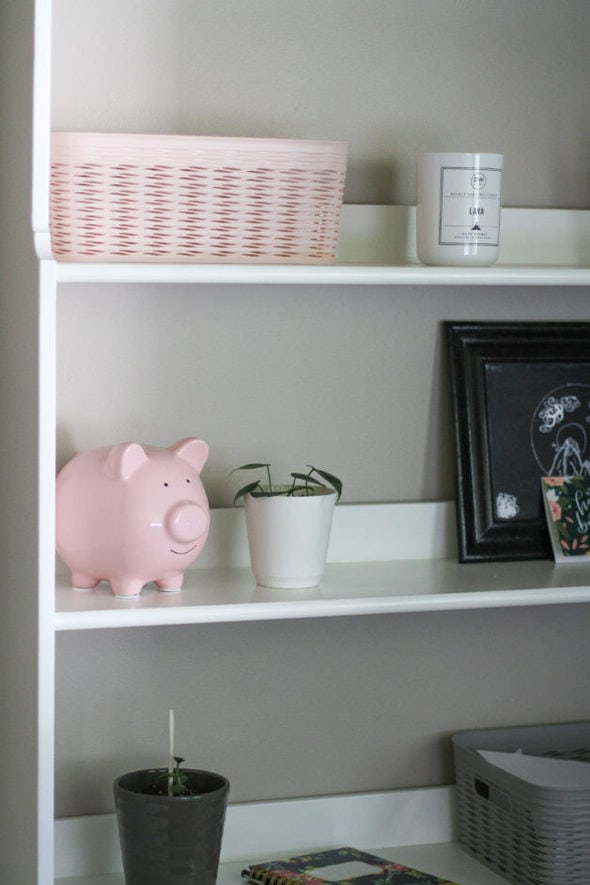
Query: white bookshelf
381, 571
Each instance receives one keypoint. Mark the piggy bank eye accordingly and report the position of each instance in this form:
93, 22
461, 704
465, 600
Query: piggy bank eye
166, 485
188, 480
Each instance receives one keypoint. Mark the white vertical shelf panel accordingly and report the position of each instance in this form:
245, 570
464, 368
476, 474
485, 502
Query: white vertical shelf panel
41, 127
46, 443
46, 554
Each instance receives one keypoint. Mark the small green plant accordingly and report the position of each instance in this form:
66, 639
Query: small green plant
301, 483
174, 782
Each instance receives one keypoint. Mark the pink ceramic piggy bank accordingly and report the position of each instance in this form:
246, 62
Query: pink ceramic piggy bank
130, 514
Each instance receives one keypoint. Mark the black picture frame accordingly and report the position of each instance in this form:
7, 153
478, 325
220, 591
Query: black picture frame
520, 410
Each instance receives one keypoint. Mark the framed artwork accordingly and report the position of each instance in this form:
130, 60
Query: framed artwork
520, 404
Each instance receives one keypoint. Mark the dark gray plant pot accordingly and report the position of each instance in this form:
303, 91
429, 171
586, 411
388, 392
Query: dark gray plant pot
169, 840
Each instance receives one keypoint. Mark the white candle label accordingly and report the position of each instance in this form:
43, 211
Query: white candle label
469, 206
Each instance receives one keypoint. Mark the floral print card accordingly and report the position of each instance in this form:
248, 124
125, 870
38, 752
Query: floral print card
567, 507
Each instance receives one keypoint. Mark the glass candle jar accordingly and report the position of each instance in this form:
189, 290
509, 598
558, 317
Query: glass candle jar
458, 208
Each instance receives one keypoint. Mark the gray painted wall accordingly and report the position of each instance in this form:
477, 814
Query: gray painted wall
353, 378
18, 451
389, 76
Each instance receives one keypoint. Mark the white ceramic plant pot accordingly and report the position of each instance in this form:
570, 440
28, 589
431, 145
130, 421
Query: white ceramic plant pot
288, 538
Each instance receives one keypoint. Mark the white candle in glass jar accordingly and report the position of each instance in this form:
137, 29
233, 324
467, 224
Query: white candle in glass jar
458, 208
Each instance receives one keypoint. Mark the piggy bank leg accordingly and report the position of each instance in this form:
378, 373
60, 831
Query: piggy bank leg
126, 588
171, 583
84, 582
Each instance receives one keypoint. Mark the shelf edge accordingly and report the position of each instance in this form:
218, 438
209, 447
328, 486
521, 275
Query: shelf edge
337, 275
243, 612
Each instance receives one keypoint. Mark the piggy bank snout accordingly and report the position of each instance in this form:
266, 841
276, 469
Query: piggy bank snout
186, 521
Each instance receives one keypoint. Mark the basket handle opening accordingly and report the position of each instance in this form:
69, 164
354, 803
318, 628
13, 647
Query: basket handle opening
481, 788
492, 794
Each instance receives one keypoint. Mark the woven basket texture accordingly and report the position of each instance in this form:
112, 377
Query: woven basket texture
165, 198
530, 835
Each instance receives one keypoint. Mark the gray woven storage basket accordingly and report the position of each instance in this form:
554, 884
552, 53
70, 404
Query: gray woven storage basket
530, 835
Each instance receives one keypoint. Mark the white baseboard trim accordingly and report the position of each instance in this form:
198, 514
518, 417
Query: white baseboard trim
89, 846
360, 533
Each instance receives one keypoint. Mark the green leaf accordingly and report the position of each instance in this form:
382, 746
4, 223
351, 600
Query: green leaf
249, 467
245, 490
329, 477
307, 478
562, 530
309, 482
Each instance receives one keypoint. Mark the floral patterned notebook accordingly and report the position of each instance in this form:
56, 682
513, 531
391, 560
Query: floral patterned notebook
340, 866
567, 508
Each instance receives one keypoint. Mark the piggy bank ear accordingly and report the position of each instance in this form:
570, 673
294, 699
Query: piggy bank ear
124, 459
194, 451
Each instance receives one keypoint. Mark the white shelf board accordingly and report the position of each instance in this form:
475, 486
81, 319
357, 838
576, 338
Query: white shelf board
445, 859
377, 246
338, 274
362, 588
382, 558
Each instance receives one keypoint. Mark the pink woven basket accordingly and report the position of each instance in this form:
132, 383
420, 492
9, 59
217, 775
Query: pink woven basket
195, 199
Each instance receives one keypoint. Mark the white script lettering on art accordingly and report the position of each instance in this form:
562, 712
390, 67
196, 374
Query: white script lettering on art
582, 499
